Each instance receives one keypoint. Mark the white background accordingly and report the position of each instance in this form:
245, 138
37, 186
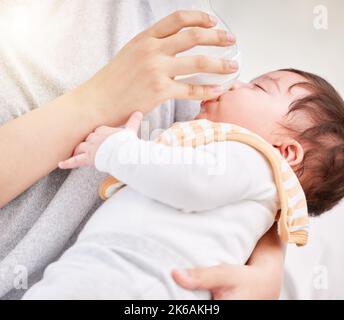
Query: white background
280, 33
277, 34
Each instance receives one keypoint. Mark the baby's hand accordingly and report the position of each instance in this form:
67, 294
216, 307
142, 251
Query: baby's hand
85, 153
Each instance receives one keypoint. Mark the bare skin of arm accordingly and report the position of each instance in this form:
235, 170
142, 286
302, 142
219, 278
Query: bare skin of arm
49, 134
43, 136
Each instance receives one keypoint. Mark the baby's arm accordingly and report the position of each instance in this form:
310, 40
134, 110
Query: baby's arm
191, 179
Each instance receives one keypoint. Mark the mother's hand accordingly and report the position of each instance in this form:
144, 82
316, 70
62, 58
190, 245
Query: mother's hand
139, 78
231, 282
260, 279
142, 74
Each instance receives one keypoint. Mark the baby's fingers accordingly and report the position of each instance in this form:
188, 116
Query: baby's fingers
81, 148
80, 160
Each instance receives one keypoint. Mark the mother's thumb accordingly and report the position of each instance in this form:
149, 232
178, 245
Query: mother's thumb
210, 278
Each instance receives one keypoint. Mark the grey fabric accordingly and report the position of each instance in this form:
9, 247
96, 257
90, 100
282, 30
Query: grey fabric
62, 44
114, 266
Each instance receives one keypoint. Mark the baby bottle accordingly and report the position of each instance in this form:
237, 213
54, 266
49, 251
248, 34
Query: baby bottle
162, 8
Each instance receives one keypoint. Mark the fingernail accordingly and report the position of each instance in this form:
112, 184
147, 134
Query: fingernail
217, 90
231, 37
233, 64
213, 20
183, 273
188, 280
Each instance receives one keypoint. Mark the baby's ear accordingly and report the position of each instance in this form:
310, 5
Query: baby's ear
291, 150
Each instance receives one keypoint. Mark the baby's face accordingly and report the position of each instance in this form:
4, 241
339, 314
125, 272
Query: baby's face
259, 106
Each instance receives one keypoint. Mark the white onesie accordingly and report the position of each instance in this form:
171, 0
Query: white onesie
182, 207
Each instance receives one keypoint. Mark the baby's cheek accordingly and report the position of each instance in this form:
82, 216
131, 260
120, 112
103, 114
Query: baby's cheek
233, 112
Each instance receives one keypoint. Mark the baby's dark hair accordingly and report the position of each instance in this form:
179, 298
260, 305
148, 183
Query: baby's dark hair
323, 142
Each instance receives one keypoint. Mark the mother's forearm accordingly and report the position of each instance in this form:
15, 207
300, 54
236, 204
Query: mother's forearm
33, 144
269, 251
268, 259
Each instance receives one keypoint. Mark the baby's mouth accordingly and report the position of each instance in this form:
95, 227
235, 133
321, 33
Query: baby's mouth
207, 106
204, 102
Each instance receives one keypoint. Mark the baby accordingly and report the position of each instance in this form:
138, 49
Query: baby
183, 207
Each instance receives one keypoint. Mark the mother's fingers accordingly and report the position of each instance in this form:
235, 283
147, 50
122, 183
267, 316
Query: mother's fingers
197, 64
211, 278
190, 38
181, 90
179, 20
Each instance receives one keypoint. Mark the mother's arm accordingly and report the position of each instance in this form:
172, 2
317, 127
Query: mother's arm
261, 278
32, 144
140, 77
